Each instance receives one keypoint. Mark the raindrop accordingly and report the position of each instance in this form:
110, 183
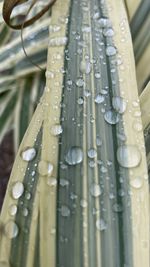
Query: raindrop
97, 75
56, 129
17, 190
99, 99
108, 32
65, 211
28, 154
64, 182
52, 181
74, 155
80, 82
117, 207
111, 51
98, 141
28, 195
45, 168
101, 225
25, 212
92, 153
104, 22
13, 210
128, 156
95, 190
83, 203
80, 101
119, 104
111, 117
85, 67
137, 182
11, 229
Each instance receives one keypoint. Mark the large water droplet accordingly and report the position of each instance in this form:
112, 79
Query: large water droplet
101, 225
111, 117
13, 210
119, 104
136, 182
28, 154
65, 211
74, 155
11, 229
17, 190
92, 153
45, 168
99, 99
128, 156
111, 51
95, 190
56, 129
85, 67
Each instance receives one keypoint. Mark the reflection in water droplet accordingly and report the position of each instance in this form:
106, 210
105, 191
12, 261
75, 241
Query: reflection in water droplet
99, 99
11, 229
136, 182
95, 190
92, 153
52, 181
128, 156
45, 168
74, 155
56, 129
101, 225
28, 154
13, 210
111, 117
119, 104
17, 190
111, 51
117, 207
65, 211
64, 182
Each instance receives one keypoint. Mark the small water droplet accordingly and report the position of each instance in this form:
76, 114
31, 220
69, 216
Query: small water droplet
17, 190
136, 182
11, 229
111, 117
80, 101
128, 156
28, 154
97, 75
119, 104
64, 182
80, 82
117, 207
52, 181
56, 129
99, 99
28, 195
85, 67
111, 51
45, 168
92, 153
98, 141
25, 212
74, 155
101, 225
13, 210
95, 190
83, 203
65, 211
108, 32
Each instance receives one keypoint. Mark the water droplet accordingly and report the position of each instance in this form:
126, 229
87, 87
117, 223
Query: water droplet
25, 212
11, 229
64, 182
111, 51
56, 129
13, 210
108, 32
92, 153
98, 141
137, 126
95, 190
85, 67
28, 195
74, 155
83, 203
111, 117
58, 41
97, 75
119, 104
99, 99
117, 207
45, 168
28, 154
80, 82
80, 101
136, 182
128, 156
52, 181
65, 211
17, 190
104, 22
101, 225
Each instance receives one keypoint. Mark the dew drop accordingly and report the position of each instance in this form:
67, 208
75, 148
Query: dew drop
28, 154
80, 101
80, 82
128, 156
13, 210
85, 67
17, 190
45, 168
11, 229
137, 182
99, 99
58, 41
83, 203
25, 212
56, 129
65, 211
111, 51
119, 104
74, 155
98, 141
95, 190
111, 117
92, 153
64, 182
108, 32
101, 225
52, 181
